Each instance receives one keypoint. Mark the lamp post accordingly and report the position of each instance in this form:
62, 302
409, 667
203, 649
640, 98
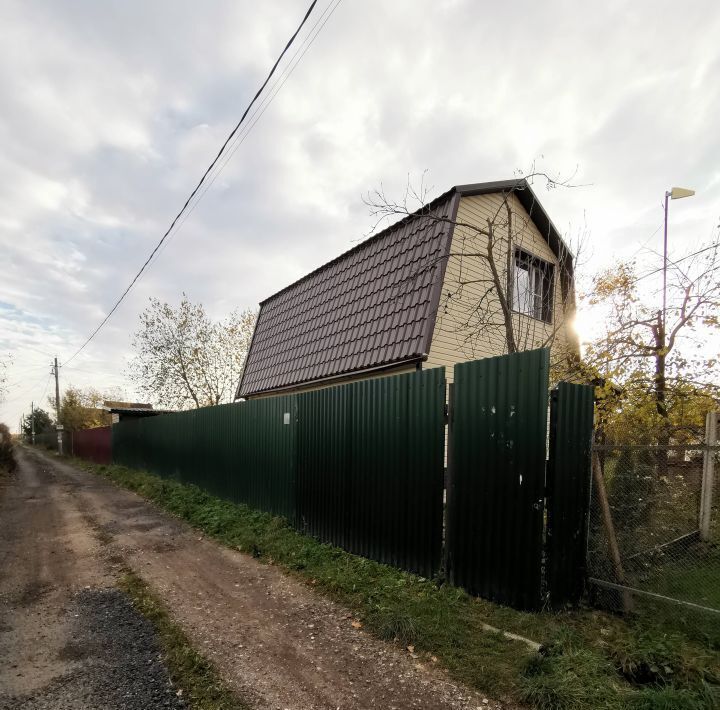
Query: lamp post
677, 193
661, 337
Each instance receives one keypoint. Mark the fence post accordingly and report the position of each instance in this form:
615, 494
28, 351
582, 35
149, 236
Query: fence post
446, 561
610, 531
706, 494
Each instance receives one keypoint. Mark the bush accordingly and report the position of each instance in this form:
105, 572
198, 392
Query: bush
7, 454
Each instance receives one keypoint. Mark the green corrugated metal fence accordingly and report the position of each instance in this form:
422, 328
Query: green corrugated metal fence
370, 468
497, 479
568, 491
361, 466
366, 457
243, 452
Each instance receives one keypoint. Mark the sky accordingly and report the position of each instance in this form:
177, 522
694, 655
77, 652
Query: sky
111, 112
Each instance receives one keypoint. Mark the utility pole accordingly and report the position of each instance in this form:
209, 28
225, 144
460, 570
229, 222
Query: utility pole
56, 371
32, 422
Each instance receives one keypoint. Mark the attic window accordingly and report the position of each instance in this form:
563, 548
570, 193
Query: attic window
532, 286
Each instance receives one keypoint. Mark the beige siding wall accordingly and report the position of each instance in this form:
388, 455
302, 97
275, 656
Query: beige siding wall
469, 322
340, 381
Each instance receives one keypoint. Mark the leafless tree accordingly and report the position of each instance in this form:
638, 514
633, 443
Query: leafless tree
497, 287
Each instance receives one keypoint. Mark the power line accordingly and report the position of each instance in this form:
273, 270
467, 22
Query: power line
26, 370
199, 185
646, 242
20, 383
259, 111
103, 373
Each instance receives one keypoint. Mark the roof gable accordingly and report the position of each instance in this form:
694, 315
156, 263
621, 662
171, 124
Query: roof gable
528, 199
373, 306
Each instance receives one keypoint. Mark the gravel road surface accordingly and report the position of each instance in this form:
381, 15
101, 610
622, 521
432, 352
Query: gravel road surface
273, 638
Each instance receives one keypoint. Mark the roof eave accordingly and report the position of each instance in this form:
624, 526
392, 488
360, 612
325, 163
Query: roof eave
340, 376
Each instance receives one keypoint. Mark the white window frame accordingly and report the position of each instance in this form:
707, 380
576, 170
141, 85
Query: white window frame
532, 286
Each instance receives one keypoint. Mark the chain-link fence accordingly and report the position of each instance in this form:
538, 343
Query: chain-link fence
655, 525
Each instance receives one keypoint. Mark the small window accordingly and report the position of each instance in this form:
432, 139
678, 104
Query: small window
532, 286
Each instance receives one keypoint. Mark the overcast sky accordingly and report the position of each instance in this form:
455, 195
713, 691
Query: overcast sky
110, 111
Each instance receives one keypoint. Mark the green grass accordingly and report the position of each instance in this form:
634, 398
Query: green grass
201, 685
696, 580
589, 659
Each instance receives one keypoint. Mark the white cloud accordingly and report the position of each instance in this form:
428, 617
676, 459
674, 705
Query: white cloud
112, 110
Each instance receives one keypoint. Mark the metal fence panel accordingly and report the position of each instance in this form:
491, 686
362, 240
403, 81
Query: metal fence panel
243, 452
92, 444
267, 432
497, 479
370, 468
568, 491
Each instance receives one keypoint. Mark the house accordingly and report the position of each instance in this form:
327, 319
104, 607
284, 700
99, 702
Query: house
477, 272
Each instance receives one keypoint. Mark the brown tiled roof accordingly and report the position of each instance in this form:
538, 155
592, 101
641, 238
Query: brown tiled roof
373, 306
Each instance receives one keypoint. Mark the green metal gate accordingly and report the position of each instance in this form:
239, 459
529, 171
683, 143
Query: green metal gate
497, 477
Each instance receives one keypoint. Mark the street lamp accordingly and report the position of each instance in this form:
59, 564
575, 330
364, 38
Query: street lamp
677, 193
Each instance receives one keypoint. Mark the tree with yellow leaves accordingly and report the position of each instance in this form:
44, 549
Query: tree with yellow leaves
658, 372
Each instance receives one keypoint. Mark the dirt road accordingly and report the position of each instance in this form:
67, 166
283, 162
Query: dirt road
274, 640
68, 639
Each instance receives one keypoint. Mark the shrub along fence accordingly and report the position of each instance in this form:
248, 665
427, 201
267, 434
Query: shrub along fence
362, 466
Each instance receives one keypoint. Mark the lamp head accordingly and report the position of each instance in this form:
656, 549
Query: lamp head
678, 193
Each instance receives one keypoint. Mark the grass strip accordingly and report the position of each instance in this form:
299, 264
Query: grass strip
588, 660
202, 687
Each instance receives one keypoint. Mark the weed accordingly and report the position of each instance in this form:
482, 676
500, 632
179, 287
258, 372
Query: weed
654, 657
394, 625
